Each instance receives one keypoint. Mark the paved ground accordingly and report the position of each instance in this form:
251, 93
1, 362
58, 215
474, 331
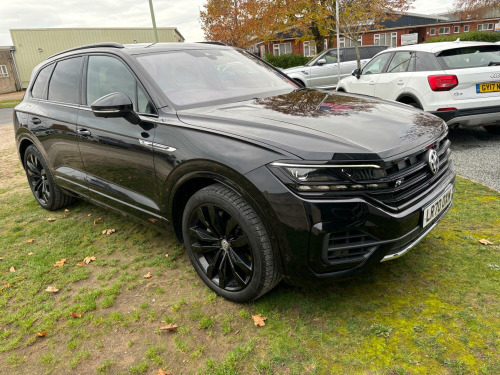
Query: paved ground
6, 116
476, 155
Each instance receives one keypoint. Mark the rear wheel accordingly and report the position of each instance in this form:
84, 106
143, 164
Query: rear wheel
228, 244
493, 129
41, 181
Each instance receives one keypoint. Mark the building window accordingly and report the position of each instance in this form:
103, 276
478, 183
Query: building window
341, 42
376, 39
3, 71
394, 39
282, 49
388, 39
466, 28
444, 30
433, 31
456, 29
309, 48
485, 27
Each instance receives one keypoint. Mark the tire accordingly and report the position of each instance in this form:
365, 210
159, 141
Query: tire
414, 104
42, 184
493, 129
228, 244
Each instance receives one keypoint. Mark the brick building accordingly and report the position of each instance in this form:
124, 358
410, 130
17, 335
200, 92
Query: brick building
9, 81
407, 29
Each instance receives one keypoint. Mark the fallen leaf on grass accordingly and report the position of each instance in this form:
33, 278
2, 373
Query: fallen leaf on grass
89, 215
485, 242
52, 289
21, 278
66, 210
1, 258
30, 240
169, 327
108, 231
237, 332
76, 315
51, 219
153, 220
166, 255
60, 263
30, 253
12, 269
162, 372
41, 334
258, 320
97, 220
148, 275
87, 260
80, 264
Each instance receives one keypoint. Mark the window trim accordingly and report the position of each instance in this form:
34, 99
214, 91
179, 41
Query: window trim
456, 29
309, 44
444, 32
79, 83
466, 28
432, 31
4, 73
45, 91
279, 50
487, 28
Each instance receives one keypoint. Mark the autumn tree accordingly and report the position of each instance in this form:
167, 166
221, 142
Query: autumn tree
472, 9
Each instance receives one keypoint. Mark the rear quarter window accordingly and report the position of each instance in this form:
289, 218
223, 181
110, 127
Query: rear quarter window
426, 62
38, 89
469, 57
65, 82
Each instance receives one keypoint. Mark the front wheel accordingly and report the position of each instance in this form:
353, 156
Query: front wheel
228, 244
42, 184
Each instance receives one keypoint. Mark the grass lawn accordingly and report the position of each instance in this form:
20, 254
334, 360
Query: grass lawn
8, 103
434, 311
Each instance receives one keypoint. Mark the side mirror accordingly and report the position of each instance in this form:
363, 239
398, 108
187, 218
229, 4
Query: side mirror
321, 62
114, 105
356, 73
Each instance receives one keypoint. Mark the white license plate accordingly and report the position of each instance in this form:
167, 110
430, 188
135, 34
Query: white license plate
436, 207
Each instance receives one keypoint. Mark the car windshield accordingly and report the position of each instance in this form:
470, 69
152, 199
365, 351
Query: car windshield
469, 57
192, 78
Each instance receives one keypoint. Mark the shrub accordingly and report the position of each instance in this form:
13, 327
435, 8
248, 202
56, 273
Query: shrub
286, 61
474, 36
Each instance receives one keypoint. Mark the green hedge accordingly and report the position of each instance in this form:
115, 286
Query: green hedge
286, 61
474, 36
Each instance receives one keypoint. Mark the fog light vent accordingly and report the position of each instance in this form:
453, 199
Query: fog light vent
349, 246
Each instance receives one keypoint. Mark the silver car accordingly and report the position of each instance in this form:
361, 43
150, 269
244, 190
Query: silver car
321, 71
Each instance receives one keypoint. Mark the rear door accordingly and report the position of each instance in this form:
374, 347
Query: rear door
53, 121
370, 74
325, 75
118, 155
393, 81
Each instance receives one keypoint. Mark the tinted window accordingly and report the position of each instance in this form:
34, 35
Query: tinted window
376, 65
106, 75
143, 104
469, 57
349, 55
363, 53
65, 81
426, 62
399, 62
39, 85
331, 57
372, 51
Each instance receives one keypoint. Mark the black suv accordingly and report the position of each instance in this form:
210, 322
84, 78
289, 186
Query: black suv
261, 179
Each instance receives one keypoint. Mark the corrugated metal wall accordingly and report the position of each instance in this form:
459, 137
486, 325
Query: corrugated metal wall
35, 45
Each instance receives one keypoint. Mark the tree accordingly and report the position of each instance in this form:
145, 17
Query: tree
472, 9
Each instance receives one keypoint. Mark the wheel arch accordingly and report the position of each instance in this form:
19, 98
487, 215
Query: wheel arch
407, 98
23, 145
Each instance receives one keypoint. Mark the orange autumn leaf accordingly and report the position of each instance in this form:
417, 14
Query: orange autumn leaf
166, 255
169, 327
52, 289
148, 275
30, 240
485, 242
87, 260
76, 315
153, 220
66, 210
41, 334
97, 220
51, 219
89, 215
21, 278
162, 372
80, 264
60, 263
1, 258
12, 269
108, 231
258, 320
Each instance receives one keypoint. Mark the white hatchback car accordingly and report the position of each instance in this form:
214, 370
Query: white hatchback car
457, 81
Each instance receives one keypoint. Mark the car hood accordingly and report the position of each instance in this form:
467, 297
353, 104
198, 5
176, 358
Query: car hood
319, 125
295, 69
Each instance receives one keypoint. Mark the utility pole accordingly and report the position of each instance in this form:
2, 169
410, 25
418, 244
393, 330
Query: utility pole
338, 34
153, 19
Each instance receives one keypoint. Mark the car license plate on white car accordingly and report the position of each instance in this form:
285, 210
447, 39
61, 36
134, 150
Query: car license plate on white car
487, 87
438, 206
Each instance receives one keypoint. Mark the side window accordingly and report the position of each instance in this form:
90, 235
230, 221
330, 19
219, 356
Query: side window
105, 75
376, 65
350, 55
364, 54
41, 81
331, 57
399, 62
143, 104
65, 82
426, 62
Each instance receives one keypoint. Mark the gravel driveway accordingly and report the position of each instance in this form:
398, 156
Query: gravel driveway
6, 116
476, 155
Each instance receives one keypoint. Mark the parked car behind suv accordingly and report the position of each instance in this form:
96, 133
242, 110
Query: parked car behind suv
322, 70
260, 179
457, 81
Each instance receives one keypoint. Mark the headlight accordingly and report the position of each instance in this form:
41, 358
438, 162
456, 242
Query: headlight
324, 178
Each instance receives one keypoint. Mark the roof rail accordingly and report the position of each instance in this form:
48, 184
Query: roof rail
214, 43
95, 45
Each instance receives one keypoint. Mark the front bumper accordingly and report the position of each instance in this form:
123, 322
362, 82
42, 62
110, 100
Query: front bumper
472, 117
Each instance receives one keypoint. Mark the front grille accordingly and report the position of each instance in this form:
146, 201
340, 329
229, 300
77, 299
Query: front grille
415, 175
349, 246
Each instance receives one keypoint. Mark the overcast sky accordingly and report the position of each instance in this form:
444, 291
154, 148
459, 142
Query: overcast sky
183, 14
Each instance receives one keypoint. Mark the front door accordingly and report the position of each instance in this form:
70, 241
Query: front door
117, 154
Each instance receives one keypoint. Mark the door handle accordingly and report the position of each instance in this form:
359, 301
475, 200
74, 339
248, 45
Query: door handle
84, 132
36, 120
400, 82
372, 83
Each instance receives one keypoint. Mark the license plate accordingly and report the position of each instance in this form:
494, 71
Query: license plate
438, 206
487, 87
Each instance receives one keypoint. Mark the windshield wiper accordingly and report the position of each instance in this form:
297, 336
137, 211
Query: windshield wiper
492, 63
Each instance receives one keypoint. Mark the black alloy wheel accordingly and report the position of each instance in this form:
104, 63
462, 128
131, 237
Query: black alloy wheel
42, 184
228, 244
